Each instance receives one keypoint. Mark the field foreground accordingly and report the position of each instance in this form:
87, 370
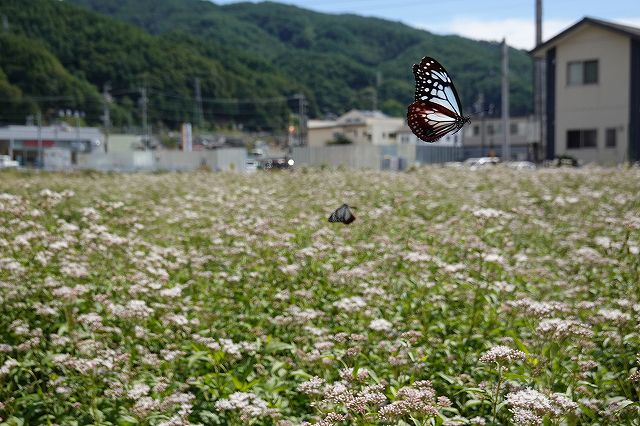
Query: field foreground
456, 297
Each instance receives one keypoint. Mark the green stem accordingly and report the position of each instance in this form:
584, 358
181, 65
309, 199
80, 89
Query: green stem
497, 394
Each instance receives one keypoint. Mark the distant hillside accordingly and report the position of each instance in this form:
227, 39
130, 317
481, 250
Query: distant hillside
323, 51
85, 50
70, 49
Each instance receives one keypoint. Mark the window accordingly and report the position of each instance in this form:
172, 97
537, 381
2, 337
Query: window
513, 128
476, 130
490, 129
610, 140
577, 139
582, 72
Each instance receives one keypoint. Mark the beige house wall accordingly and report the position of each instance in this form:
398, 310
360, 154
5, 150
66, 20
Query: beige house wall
320, 136
594, 106
383, 130
371, 132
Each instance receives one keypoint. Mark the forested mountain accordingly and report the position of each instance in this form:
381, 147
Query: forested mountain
244, 50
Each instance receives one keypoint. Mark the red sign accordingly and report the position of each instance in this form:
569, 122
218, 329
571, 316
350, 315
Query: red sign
45, 143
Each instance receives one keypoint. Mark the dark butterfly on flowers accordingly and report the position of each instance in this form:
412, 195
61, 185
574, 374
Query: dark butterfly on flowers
342, 214
436, 108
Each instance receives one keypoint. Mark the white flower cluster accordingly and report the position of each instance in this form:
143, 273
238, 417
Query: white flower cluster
558, 328
350, 304
502, 355
247, 404
529, 407
7, 366
381, 324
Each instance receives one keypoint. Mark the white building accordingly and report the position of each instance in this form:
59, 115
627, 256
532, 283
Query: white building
354, 127
483, 137
25, 143
593, 92
404, 136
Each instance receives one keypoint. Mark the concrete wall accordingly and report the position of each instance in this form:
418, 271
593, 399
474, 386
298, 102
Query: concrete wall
376, 157
217, 160
350, 156
56, 159
594, 106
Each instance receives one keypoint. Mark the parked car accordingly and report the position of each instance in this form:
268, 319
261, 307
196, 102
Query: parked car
478, 163
7, 163
251, 166
564, 161
276, 163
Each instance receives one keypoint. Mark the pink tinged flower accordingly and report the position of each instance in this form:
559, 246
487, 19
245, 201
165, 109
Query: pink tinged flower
529, 406
502, 355
561, 328
350, 304
246, 403
614, 315
138, 391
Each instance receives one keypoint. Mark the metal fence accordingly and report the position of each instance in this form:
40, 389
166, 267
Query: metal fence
217, 160
376, 157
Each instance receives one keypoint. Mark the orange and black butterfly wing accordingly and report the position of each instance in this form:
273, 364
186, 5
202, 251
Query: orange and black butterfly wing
436, 110
429, 121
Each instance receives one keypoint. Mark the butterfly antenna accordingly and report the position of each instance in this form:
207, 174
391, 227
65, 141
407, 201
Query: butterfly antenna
484, 111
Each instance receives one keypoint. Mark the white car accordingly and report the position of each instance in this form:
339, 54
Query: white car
7, 163
478, 163
251, 166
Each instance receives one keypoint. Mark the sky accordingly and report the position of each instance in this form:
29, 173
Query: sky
482, 19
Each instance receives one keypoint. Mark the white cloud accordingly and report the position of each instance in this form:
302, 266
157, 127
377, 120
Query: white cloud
519, 32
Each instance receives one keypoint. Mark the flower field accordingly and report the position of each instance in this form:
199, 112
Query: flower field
491, 297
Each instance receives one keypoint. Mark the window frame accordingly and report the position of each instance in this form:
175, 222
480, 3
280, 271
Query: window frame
610, 131
582, 138
583, 72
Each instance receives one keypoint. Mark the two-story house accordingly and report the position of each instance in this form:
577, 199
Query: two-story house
354, 127
592, 92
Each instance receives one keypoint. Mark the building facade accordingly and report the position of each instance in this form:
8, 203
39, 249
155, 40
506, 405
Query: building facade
483, 137
30, 145
592, 92
404, 136
354, 127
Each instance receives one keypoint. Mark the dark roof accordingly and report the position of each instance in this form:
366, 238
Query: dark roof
626, 30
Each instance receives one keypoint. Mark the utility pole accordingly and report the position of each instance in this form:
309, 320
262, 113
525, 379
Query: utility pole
539, 107
301, 118
481, 110
143, 105
40, 153
506, 143
5, 24
376, 89
76, 115
106, 117
198, 116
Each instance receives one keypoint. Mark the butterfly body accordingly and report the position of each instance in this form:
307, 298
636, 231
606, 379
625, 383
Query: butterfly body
342, 214
436, 109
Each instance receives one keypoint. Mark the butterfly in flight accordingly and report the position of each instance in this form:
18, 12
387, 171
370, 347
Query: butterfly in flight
342, 214
436, 108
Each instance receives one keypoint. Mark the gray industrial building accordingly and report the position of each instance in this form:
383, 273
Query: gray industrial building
29, 145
